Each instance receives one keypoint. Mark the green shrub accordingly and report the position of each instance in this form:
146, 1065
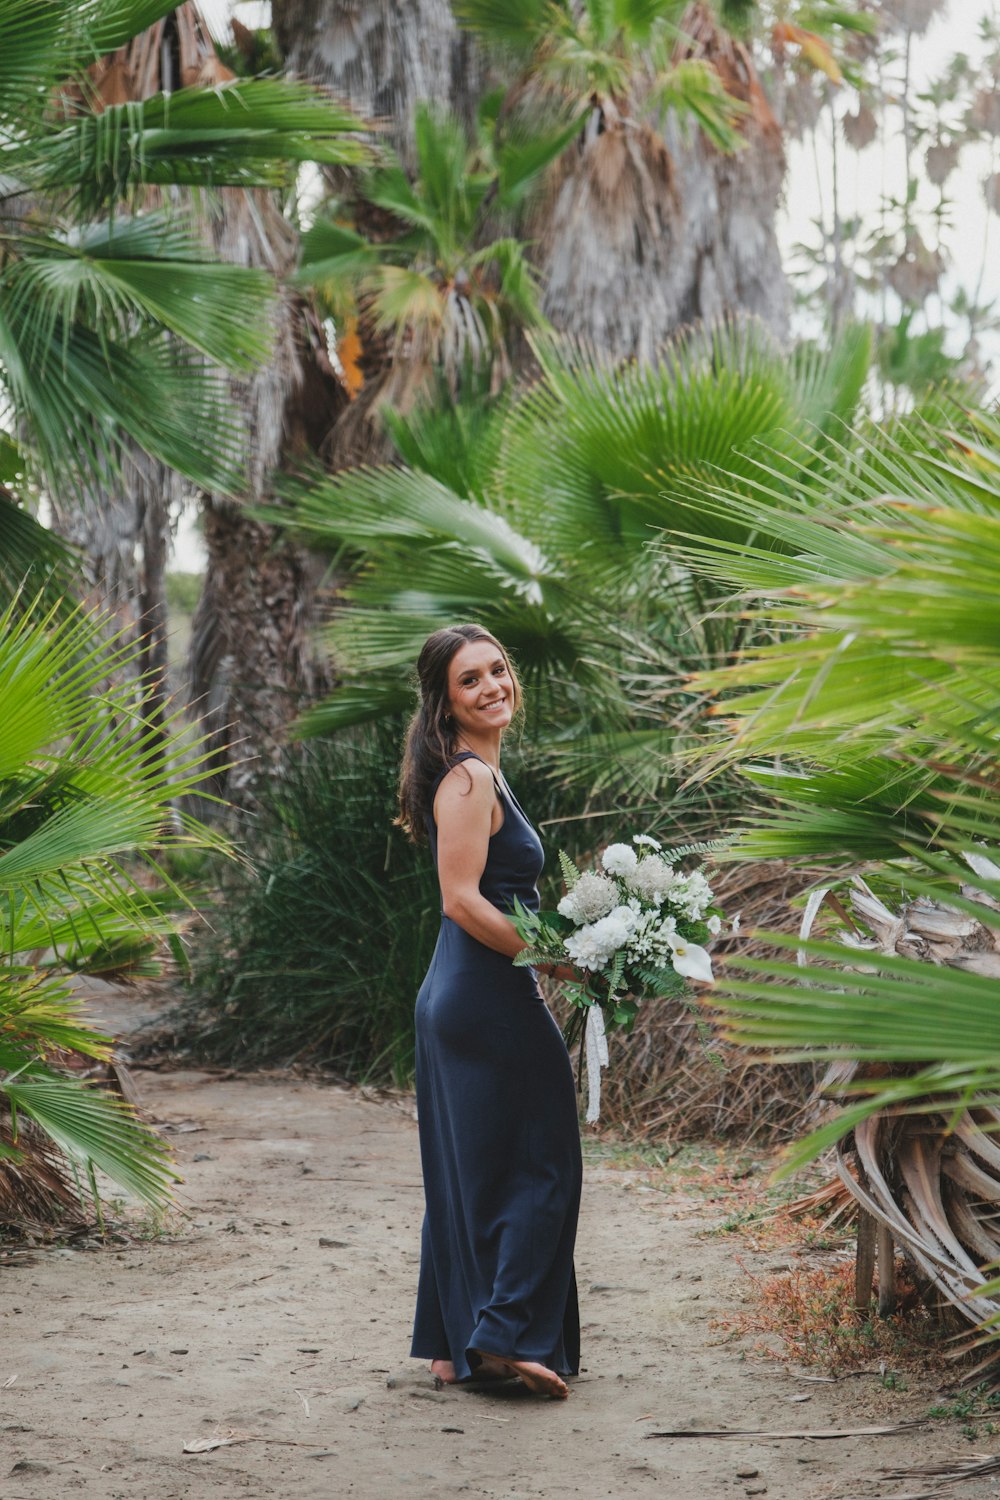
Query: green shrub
321, 939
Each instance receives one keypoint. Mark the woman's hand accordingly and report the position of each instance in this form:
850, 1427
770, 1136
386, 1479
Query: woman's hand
563, 972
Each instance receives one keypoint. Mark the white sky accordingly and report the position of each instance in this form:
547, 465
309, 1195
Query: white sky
865, 177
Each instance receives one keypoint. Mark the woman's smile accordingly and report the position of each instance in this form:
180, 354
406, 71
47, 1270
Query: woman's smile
479, 688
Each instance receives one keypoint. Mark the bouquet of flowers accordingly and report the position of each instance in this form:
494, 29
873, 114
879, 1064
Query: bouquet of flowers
633, 929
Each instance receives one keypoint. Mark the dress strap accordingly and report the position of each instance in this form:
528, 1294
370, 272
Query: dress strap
467, 755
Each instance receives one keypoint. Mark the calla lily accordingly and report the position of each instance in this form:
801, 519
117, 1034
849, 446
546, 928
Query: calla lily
692, 962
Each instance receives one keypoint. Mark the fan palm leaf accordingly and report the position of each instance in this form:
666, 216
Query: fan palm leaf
242, 134
107, 318
544, 536
84, 803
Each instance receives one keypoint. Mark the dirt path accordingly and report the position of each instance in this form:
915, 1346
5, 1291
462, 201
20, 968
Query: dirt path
282, 1312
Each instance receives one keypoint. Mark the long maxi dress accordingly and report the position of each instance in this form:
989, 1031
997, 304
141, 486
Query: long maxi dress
499, 1140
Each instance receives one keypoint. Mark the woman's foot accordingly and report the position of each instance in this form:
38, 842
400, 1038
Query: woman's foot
491, 1368
443, 1371
538, 1378
488, 1369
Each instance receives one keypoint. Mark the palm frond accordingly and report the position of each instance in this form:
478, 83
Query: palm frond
77, 402
514, 23
147, 269
243, 134
97, 1129
32, 558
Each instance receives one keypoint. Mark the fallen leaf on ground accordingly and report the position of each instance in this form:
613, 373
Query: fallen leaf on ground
205, 1445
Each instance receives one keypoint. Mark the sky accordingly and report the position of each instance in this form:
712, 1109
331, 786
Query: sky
865, 177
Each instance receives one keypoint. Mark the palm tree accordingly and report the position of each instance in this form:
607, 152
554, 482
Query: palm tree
418, 268
89, 289
385, 59
874, 723
84, 808
534, 516
661, 212
115, 415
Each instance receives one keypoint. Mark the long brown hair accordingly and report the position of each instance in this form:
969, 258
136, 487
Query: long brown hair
431, 736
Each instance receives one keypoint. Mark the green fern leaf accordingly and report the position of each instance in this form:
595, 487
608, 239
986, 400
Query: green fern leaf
707, 846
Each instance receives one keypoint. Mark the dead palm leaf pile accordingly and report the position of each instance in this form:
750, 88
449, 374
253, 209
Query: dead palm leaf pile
926, 1184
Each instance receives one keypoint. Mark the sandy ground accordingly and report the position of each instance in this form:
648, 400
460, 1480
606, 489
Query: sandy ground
279, 1312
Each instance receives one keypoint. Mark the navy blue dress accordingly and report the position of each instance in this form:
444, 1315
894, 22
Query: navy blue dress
499, 1140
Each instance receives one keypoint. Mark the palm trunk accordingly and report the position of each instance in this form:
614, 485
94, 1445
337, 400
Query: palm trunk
645, 232
384, 57
251, 662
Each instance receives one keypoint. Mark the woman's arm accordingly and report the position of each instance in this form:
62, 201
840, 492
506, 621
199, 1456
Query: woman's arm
464, 815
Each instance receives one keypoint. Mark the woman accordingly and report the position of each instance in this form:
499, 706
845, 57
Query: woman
499, 1135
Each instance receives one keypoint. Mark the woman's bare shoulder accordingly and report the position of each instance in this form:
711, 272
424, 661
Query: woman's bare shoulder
466, 778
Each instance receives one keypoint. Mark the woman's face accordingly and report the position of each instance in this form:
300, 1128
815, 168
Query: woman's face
480, 690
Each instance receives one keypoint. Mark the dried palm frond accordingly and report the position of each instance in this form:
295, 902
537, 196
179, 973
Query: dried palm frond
36, 1193
914, 15
984, 113
940, 161
931, 1182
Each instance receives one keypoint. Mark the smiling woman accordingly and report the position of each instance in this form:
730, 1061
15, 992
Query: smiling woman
499, 1137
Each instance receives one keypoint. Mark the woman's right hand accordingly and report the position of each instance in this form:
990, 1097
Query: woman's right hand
562, 972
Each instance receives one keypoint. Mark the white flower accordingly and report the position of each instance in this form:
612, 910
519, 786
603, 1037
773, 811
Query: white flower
651, 879
651, 939
692, 962
736, 923
644, 838
593, 896
619, 859
714, 925
594, 945
692, 894
585, 949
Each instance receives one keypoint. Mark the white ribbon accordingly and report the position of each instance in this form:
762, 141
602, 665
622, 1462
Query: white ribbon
597, 1058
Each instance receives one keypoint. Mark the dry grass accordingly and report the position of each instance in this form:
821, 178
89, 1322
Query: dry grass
806, 1315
